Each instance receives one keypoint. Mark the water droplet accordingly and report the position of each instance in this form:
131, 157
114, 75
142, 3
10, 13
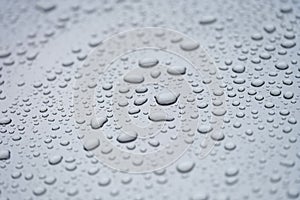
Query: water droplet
189, 45
91, 144
238, 69
127, 137
166, 98
185, 167
98, 122
148, 62
4, 154
281, 65
39, 191
257, 83
176, 70
160, 116
207, 19
54, 160
133, 78
5, 121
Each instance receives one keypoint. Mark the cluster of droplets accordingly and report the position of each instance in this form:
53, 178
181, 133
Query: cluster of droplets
142, 106
256, 48
157, 99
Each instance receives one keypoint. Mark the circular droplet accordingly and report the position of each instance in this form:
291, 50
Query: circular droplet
185, 167
54, 160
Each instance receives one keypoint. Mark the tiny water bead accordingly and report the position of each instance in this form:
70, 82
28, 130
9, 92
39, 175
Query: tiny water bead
166, 98
148, 62
133, 78
189, 46
55, 159
160, 116
91, 144
238, 69
4, 154
185, 167
125, 138
281, 66
98, 122
207, 19
5, 120
176, 70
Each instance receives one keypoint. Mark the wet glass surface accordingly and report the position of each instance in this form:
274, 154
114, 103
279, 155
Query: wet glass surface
195, 100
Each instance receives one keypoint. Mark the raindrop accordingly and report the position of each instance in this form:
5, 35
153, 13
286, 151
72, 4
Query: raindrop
148, 62
98, 122
4, 154
176, 70
207, 19
127, 137
91, 144
133, 78
166, 98
185, 167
